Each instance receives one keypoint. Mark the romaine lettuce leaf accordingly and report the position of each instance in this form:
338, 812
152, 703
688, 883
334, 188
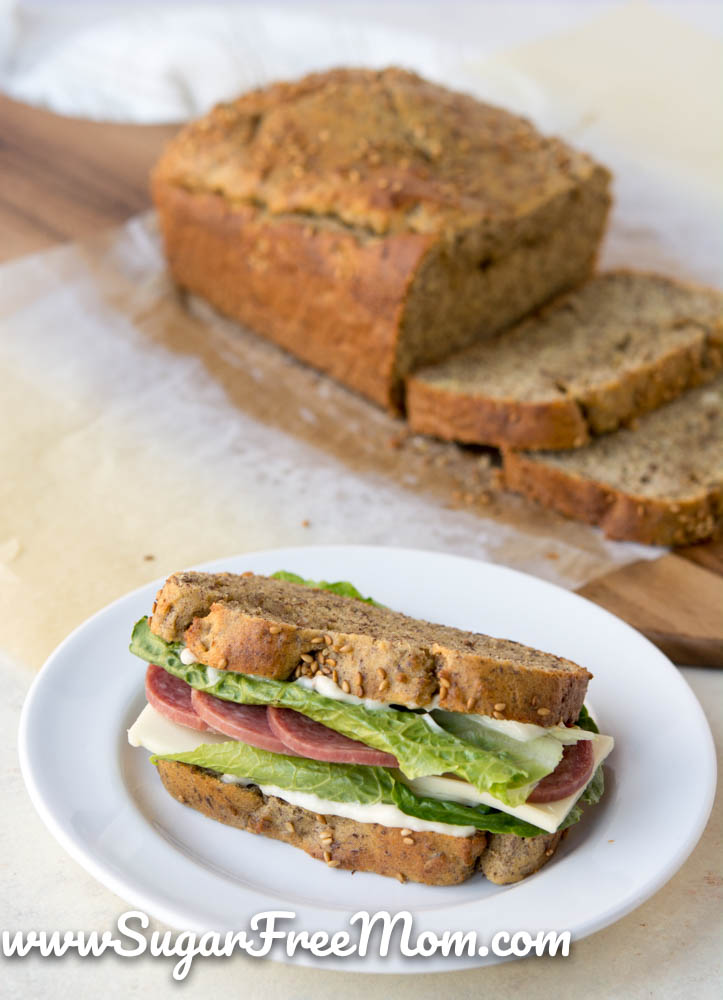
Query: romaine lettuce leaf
355, 783
341, 587
421, 751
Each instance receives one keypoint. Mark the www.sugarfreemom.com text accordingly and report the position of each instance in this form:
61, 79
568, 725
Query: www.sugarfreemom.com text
369, 934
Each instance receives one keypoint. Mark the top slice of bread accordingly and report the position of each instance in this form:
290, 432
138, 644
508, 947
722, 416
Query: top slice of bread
258, 625
621, 345
660, 482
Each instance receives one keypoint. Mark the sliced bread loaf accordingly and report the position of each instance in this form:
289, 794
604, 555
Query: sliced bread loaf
619, 346
272, 628
660, 482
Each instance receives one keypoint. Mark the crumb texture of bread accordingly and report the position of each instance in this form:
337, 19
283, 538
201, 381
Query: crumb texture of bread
619, 346
659, 482
427, 857
273, 628
370, 221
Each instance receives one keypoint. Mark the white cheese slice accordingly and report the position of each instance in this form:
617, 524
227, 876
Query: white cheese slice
158, 734
546, 815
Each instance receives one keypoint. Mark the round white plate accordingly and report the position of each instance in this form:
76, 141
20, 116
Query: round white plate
104, 803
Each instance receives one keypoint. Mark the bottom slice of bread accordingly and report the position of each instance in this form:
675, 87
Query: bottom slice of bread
430, 858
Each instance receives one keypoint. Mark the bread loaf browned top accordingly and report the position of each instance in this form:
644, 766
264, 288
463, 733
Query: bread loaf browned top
380, 151
273, 628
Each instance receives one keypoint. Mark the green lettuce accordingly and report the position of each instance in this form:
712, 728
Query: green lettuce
350, 783
421, 750
341, 587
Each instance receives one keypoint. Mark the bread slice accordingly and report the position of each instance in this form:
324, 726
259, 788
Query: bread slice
431, 858
259, 625
619, 346
660, 482
370, 221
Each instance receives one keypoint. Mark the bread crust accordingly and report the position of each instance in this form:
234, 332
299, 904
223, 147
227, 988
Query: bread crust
452, 416
431, 858
310, 218
381, 655
328, 298
622, 516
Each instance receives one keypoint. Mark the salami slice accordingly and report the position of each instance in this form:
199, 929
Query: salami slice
247, 723
170, 696
307, 738
573, 771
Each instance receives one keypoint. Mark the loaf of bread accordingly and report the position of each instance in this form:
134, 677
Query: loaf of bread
273, 628
617, 347
370, 222
427, 857
659, 482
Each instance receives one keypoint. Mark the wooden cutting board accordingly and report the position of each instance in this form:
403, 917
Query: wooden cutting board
65, 179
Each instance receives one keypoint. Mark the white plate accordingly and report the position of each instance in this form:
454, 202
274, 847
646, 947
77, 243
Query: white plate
104, 803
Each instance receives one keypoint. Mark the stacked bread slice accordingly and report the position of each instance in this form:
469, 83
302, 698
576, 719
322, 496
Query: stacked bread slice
593, 403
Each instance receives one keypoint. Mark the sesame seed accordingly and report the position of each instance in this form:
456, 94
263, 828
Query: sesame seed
327, 857
543, 711
497, 715
247, 573
407, 840
345, 687
500, 706
290, 827
401, 878
384, 685
314, 668
326, 838
306, 658
334, 676
316, 639
328, 640
345, 649
321, 819
405, 831
549, 852
333, 864
274, 629
382, 673
443, 683
360, 692
330, 661
470, 704
535, 700
358, 678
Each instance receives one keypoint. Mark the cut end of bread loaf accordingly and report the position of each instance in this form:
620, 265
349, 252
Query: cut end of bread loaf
660, 482
273, 628
426, 857
620, 346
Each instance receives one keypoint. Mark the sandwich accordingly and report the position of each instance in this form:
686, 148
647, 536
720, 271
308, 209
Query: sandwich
375, 742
